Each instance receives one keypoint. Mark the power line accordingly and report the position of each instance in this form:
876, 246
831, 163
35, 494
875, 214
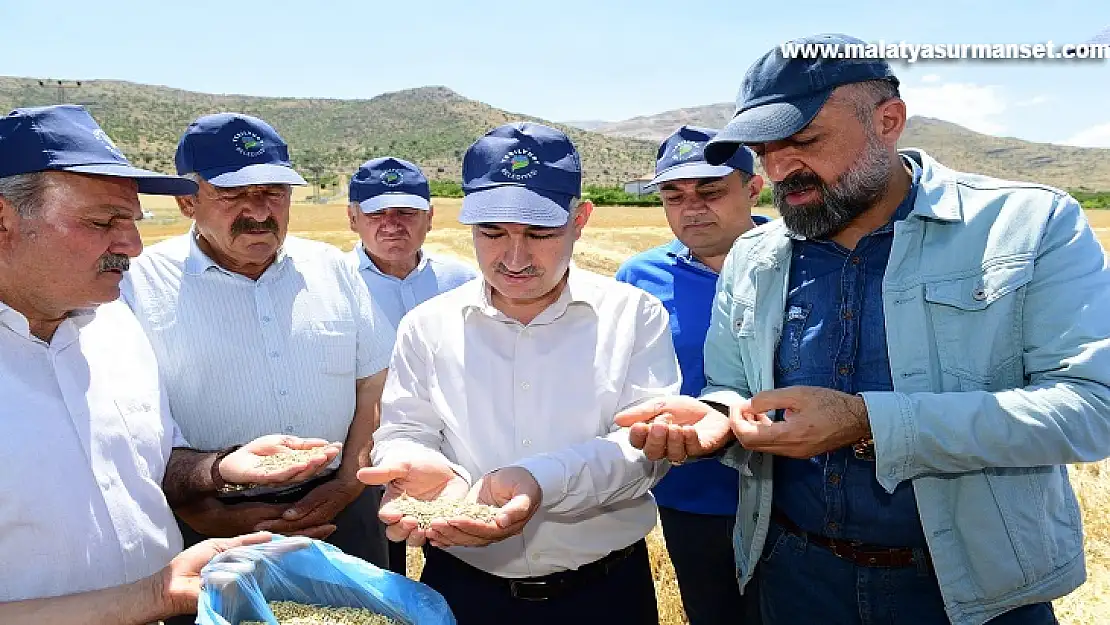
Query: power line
61, 86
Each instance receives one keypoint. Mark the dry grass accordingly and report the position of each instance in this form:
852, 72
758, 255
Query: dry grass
612, 235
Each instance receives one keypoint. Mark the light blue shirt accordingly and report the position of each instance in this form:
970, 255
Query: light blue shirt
395, 296
997, 326
243, 358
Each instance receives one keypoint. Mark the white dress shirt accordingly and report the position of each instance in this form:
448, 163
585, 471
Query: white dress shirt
396, 296
243, 358
85, 435
485, 392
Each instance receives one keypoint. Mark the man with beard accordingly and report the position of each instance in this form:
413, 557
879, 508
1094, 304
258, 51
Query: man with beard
707, 207
391, 210
256, 331
910, 357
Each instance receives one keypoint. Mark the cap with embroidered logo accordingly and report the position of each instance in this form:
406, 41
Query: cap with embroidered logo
682, 156
523, 173
65, 137
389, 182
235, 150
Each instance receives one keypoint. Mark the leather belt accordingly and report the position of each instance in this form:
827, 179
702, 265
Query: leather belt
859, 553
552, 585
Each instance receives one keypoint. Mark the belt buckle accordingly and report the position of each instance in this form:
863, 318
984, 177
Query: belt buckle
516, 593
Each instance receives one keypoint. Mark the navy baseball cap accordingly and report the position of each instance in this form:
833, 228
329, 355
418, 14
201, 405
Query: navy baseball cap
66, 138
235, 150
523, 173
779, 96
682, 156
389, 182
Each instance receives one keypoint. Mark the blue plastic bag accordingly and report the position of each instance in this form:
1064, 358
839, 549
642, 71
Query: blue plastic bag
237, 585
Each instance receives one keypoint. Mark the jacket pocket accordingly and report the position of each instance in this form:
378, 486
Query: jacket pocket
977, 319
788, 354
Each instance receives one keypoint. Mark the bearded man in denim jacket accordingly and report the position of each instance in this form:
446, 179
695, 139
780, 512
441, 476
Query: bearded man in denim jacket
900, 368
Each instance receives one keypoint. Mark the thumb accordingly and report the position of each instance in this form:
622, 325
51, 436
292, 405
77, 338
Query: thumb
383, 474
515, 511
644, 411
774, 399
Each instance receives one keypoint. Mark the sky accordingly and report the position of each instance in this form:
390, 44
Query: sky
568, 59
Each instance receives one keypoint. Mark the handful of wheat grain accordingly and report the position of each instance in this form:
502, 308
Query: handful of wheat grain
438, 509
293, 613
284, 460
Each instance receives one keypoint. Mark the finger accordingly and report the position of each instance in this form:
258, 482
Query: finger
447, 535
517, 510
401, 529
656, 446
676, 444
416, 538
296, 442
241, 541
637, 434
767, 401
320, 532
376, 476
644, 411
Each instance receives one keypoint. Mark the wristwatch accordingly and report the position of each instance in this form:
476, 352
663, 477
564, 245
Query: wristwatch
224, 487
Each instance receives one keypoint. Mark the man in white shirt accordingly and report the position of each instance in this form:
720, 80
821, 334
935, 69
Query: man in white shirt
390, 208
94, 459
507, 387
256, 331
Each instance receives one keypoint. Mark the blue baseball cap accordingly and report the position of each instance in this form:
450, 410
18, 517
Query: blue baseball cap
682, 156
389, 182
523, 173
65, 137
235, 150
779, 96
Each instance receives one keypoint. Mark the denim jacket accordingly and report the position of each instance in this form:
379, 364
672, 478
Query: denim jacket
997, 304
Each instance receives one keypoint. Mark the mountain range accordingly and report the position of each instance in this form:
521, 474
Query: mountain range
433, 126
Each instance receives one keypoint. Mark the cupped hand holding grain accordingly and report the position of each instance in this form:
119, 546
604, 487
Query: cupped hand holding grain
278, 459
425, 480
516, 495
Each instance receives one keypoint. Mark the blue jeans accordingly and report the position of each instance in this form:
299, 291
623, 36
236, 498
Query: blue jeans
805, 583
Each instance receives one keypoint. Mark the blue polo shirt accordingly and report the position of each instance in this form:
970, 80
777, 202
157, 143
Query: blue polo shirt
687, 288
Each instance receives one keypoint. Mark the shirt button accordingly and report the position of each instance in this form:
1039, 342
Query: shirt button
855, 260
848, 314
266, 319
525, 385
832, 527
526, 442
843, 370
834, 479
273, 354
283, 392
536, 557
289, 429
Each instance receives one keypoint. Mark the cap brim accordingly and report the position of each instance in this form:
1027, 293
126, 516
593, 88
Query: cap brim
261, 173
393, 200
687, 171
149, 182
768, 122
515, 204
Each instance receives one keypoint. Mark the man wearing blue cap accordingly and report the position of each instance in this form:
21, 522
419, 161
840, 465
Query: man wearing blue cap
257, 331
391, 210
931, 347
507, 388
707, 207
94, 457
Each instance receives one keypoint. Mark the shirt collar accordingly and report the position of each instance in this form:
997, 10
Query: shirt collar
677, 249
365, 263
197, 262
18, 323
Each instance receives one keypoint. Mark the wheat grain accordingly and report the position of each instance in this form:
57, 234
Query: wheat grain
293, 613
444, 508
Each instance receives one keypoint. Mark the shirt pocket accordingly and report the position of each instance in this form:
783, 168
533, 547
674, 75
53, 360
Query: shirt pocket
976, 320
335, 347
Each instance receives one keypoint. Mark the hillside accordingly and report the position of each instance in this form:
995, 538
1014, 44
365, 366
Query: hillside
956, 146
431, 126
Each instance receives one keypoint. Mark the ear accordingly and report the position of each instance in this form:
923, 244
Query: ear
9, 221
352, 216
890, 121
755, 185
431, 216
187, 204
585, 208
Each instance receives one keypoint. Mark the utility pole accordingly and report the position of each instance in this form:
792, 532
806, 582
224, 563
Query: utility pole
61, 86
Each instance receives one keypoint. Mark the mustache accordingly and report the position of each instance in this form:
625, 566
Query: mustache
113, 262
797, 182
527, 271
246, 224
